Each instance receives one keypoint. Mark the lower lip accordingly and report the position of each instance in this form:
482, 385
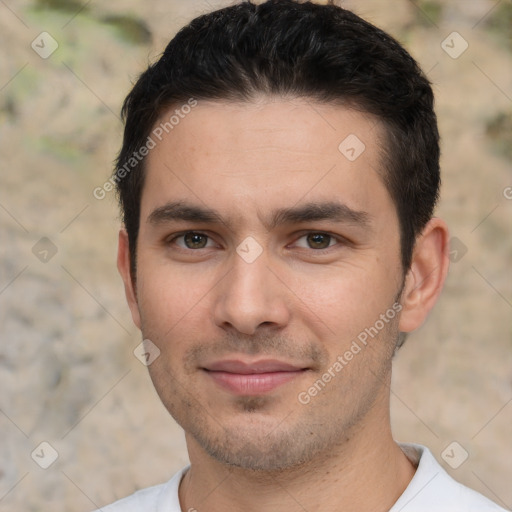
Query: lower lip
253, 383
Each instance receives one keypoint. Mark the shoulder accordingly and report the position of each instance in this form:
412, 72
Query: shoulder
432, 488
151, 499
144, 499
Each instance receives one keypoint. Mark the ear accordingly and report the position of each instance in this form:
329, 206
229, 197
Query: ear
426, 276
123, 265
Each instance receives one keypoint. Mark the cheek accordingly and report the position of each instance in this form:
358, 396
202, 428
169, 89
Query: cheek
171, 302
344, 301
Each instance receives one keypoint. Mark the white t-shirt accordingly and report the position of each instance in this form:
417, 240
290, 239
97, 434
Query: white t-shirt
430, 490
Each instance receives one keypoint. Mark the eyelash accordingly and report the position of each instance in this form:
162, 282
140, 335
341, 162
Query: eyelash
339, 240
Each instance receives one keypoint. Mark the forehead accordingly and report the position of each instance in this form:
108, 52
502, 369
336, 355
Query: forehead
280, 151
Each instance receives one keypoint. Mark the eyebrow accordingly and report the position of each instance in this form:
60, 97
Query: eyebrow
314, 211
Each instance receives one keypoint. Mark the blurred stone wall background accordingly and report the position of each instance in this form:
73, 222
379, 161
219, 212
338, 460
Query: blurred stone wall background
68, 375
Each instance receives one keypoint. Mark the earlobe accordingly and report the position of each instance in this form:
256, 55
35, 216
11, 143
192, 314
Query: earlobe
124, 267
426, 276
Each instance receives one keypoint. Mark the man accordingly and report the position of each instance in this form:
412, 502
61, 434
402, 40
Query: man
278, 176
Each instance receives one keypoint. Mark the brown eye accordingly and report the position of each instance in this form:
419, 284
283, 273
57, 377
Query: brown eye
194, 240
318, 240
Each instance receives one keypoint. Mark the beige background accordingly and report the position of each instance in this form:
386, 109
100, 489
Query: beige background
67, 371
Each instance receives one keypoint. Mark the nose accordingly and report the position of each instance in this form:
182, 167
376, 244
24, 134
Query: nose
251, 296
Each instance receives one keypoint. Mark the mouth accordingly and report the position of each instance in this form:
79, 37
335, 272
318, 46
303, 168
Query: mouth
252, 378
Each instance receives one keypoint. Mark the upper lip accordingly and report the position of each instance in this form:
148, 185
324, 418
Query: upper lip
243, 368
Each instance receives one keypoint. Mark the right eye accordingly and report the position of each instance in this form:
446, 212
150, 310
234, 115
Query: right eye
190, 240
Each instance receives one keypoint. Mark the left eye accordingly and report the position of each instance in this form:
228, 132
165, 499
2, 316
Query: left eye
317, 241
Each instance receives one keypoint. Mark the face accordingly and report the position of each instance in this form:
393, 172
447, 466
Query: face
268, 270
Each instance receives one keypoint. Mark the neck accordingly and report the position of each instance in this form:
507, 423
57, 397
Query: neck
366, 472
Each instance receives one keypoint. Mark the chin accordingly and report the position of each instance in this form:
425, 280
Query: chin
259, 442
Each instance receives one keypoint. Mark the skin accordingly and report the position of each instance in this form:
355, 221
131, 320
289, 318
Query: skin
199, 301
